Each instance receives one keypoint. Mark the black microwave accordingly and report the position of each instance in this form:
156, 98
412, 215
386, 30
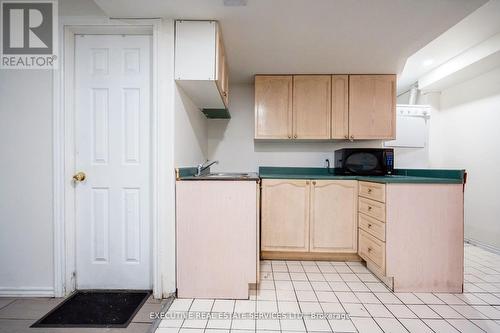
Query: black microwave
364, 161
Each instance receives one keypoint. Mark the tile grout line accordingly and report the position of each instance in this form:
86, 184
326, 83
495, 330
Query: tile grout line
12, 301
480, 295
298, 301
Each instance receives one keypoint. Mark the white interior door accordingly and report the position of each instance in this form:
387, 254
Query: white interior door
112, 102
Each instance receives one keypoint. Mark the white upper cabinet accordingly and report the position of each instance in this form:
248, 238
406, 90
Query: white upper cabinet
195, 50
200, 63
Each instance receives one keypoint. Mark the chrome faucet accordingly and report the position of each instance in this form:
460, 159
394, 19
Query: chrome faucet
204, 166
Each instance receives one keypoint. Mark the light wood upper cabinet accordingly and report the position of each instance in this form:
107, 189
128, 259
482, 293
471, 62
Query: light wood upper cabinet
285, 215
325, 107
372, 106
333, 216
311, 106
273, 107
340, 107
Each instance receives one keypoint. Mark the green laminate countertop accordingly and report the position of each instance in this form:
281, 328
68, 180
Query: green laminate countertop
424, 176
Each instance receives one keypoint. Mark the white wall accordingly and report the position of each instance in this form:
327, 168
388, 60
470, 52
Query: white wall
26, 243
404, 98
232, 143
190, 131
465, 134
26, 172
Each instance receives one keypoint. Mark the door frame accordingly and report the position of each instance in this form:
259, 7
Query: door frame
64, 152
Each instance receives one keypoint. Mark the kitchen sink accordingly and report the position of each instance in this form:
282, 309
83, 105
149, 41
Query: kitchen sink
227, 175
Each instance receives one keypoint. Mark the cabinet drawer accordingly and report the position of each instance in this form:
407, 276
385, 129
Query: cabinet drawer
372, 226
372, 208
374, 191
372, 249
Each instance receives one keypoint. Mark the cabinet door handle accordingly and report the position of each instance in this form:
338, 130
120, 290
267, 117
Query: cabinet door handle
369, 249
295, 136
289, 136
369, 225
351, 138
369, 190
307, 182
314, 182
369, 207
346, 136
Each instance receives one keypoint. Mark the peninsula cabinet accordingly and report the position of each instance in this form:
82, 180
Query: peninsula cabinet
325, 107
372, 107
411, 235
309, 219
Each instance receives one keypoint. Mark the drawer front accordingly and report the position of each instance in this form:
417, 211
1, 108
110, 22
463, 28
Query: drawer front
374, 191
372, 249
372, 226
372, 208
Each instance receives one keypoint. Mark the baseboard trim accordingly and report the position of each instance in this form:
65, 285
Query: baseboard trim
27, 292
482, 245
281, 255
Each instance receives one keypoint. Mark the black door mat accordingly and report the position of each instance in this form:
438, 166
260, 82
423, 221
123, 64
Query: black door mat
96, 308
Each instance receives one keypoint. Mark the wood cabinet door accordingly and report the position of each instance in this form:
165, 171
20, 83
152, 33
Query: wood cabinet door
285, 215
340, 107
333, 216
312, 106
273, 107
372, 106
222, 71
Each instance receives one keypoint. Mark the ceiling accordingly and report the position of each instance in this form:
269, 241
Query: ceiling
304, 36
475, 28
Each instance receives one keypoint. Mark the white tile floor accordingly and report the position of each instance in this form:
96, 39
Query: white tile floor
348, 287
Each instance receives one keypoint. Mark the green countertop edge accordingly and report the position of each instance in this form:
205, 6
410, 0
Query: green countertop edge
187, 172
216, 113
424, 176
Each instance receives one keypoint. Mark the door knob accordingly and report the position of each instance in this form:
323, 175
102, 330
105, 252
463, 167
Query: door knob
79, 177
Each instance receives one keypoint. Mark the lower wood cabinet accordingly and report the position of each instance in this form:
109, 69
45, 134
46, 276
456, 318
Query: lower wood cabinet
285, 215
217, 238
411, 235
333, 212
313, 216
372, 250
